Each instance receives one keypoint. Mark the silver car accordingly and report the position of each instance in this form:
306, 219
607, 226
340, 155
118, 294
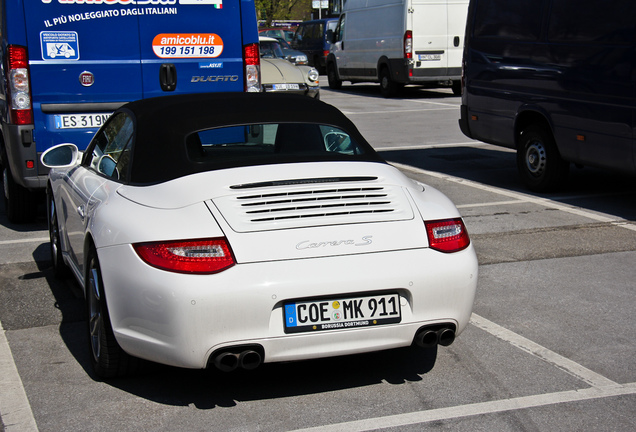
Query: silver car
279, 75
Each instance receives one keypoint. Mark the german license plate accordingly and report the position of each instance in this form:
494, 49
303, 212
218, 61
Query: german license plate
286, 86
430, 57
342, 313
80, 121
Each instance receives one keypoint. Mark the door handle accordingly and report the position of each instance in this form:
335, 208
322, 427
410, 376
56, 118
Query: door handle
168, 77
81, 212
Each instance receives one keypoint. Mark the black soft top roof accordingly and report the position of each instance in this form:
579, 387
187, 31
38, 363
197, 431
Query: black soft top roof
163, 123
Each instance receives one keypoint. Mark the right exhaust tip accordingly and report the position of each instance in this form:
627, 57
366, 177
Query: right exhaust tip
431, 336
446, 336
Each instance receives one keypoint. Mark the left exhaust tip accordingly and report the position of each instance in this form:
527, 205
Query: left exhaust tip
237, 357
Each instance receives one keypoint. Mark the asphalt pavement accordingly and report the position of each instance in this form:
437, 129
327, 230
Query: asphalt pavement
550, 345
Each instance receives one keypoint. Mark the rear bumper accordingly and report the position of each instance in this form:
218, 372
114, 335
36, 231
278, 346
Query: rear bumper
305, 90
181, 319
20, 148
463, 121
413, 72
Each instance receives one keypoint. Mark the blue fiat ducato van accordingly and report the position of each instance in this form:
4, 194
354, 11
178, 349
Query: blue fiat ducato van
67, 64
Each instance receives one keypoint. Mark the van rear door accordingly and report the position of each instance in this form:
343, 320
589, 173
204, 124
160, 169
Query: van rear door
430, 47
88, 58
84, 62
192, 47
438, 33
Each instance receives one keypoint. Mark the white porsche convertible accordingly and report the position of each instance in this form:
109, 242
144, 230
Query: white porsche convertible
230, 230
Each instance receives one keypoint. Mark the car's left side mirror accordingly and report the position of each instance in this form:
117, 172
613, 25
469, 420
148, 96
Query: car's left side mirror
60, 156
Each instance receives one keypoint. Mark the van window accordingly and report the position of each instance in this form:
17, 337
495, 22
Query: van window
518, 19
607, 22
314, 31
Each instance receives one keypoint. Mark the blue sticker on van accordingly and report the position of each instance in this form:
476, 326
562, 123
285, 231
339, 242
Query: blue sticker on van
59, 45
211, 65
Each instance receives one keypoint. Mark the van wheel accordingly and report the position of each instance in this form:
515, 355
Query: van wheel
457, 88
332, 75
107, 357
538, 160
20, 203
388, 87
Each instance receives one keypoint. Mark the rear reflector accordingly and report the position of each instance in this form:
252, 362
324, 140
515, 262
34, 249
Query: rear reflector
204, 256
448, 235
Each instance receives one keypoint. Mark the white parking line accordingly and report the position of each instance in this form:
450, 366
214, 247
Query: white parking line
422, 101
14, 405
353, 113
432, 146
26, 240
546, 202
601, 387
481, 408
565, 364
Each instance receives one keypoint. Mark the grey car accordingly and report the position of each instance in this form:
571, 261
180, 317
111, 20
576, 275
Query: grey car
279, 75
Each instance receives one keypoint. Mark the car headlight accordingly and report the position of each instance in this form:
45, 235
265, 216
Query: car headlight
313, 75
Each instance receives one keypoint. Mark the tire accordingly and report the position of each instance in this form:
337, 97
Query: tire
540, 165
107, 357
388, 87
457, 88
60, 269
20, 203
332, 76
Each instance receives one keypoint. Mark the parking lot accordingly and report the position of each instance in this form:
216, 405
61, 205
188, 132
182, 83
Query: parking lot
550, 345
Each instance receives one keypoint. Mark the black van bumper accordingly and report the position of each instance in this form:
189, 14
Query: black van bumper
463, 121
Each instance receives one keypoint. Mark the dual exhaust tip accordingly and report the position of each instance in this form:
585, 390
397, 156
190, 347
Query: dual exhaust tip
431, 336
230, 359
251, 357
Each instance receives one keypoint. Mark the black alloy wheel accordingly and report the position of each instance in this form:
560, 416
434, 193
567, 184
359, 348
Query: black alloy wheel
60, 269
107, 357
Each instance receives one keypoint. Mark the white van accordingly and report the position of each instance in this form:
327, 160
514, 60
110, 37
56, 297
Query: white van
398, 42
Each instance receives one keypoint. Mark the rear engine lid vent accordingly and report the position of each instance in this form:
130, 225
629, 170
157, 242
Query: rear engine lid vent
308, 205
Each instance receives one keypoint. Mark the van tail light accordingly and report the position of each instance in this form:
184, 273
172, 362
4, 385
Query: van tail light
252, 61
448, 235
19, 85
408, 44
203, 256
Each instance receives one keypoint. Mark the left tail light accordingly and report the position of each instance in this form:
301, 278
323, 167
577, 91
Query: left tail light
448, 235
408, 44
203, 256
252, 61
19, 85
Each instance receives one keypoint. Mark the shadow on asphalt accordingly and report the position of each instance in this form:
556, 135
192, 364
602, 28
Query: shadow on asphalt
408, 92
589, 188
207, 389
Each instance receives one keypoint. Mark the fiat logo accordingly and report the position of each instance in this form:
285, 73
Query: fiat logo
87, 79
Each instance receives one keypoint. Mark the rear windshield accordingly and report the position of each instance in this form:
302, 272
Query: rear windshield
256, 141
